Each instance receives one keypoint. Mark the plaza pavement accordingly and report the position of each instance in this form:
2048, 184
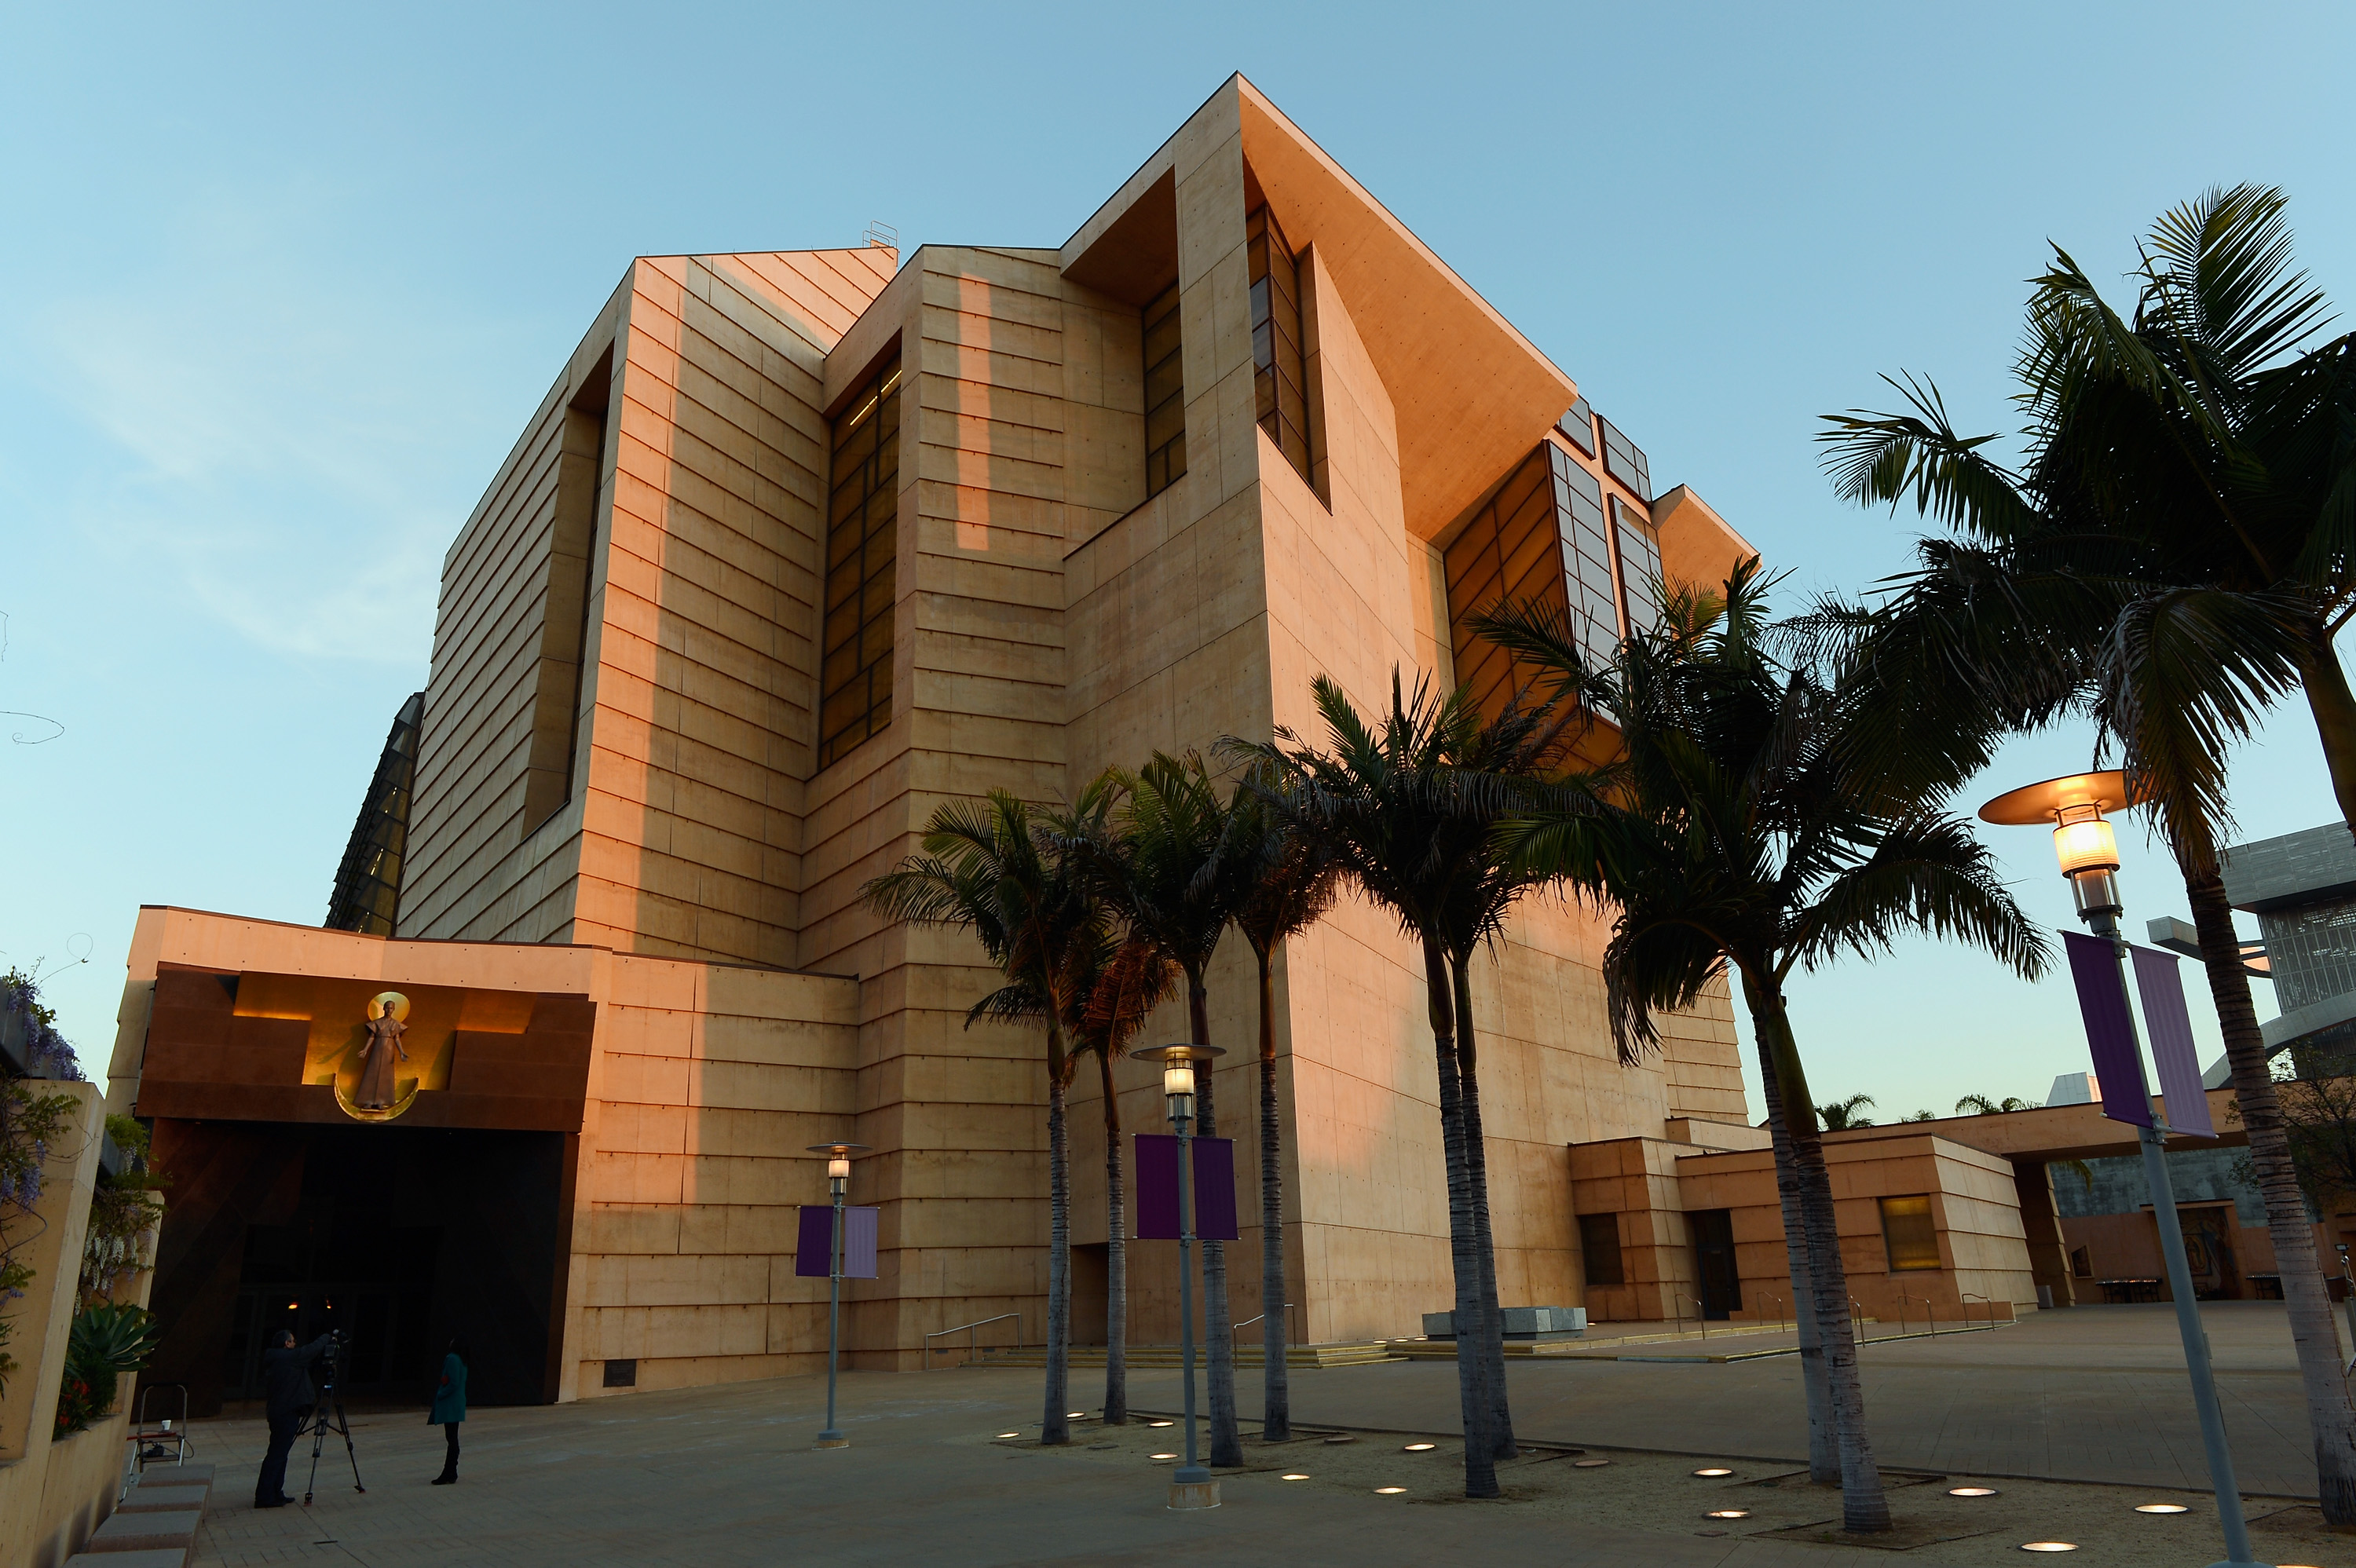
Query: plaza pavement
2095, 1394
724, 1475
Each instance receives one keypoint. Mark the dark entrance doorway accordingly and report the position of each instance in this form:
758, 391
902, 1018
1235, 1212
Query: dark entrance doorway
1722, 1283
401, 1237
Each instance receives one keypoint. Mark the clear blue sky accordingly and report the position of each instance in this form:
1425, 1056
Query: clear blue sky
279, 285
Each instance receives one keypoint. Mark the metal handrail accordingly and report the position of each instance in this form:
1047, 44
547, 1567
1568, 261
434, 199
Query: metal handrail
1928, 1311
1856, 1320
1779, 1313
1964, 1298
1699, 1318
1249, 1321
973, 1331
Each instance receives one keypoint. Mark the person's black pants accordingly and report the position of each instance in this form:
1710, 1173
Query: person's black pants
450, 1460
271, 1484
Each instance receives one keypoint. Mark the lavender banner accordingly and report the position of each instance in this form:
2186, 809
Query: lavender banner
816, 1243
2110, 1027
2162, 990
1157, 1188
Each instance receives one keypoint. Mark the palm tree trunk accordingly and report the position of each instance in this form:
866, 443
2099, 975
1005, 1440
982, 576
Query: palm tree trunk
1477, 1158
1824, 1450
2305, 1295
1116, 1398
1471, 1366
1055, 1426
1276, 1387
1865, 1507
1218, 1328
2334, 707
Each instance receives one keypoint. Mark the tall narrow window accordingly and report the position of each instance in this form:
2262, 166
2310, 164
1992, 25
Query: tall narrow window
583, 455
1280, 375
1165, 394
861, 534
1640, 567
1586, 557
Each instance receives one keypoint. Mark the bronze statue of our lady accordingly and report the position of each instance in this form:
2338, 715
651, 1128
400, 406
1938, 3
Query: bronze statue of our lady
381, 1051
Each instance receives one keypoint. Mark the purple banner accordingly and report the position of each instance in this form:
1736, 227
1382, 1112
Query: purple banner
2110, 1027
813, 1248
2162, 990
1157, 1188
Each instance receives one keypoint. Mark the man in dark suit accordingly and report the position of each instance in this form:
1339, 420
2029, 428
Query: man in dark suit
288, 1398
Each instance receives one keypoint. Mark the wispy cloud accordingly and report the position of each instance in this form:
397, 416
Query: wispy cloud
295, 440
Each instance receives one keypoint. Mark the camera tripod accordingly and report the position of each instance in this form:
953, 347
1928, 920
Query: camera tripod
326, 1417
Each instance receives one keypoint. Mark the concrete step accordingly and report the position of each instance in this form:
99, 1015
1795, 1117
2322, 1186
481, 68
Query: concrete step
1165, 1358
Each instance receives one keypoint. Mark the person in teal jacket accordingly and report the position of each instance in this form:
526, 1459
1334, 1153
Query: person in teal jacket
449, 1408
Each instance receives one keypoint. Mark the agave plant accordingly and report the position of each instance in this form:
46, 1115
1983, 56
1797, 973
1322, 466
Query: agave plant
104, 1342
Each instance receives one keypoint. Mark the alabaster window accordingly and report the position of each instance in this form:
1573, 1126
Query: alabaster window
1165, 394
1624, 461
1906, 1231
861, 534
1280, 375
1640, 567
1511, 550
1598, 1246
1577, 423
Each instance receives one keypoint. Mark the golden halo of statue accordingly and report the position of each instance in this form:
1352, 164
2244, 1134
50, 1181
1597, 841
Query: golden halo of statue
388, 1001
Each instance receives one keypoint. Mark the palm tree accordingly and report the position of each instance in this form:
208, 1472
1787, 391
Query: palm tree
1732, 833
1134, 981
1981, 1105
1164, 866
1842, 1114
1387, 803
2179, 550
1290, 883
989, 867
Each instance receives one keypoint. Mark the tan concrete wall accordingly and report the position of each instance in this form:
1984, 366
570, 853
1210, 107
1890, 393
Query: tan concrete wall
709, 1085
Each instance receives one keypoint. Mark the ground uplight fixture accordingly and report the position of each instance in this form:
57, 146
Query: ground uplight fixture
1589, 1464
2161, 1508
1161, 1424
1727, 1513
1010, 1434
1294, 1476
2087, 852
838, 1180
1971, 1491
1190, 1486
1421, 1447
1163, 1455
1388, 1491
1713, 1471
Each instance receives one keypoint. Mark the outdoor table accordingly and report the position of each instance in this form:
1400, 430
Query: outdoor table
2126, 1290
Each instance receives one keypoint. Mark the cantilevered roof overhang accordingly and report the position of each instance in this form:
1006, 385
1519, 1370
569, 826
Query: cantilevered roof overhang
1471, 394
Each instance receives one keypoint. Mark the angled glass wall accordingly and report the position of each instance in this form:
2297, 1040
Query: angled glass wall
367, 896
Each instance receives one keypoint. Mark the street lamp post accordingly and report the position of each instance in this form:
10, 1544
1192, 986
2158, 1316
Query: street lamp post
1190, 1486
838, 1180
2088, 852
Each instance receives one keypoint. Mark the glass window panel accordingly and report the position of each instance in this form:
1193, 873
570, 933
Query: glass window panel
855, 666
1165, 393
1278, 371
1910, 1234
1577, 423
1624, 461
